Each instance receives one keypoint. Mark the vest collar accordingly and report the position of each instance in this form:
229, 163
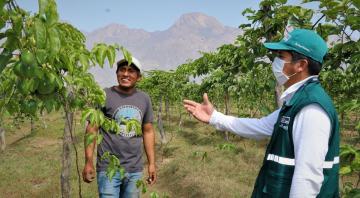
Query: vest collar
288, 94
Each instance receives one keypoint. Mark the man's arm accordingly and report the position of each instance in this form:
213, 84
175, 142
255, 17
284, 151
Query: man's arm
246, 127
89, 170
311, 132
149, 144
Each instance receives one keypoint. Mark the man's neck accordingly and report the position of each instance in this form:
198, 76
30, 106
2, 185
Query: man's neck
295, 79
127, 91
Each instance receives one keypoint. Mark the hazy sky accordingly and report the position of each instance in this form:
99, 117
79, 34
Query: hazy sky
150, 15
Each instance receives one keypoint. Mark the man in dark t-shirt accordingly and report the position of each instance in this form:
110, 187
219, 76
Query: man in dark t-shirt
123, 102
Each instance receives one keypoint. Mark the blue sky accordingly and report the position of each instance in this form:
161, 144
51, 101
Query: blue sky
151, 15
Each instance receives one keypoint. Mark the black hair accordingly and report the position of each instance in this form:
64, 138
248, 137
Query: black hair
314, 66
125, 63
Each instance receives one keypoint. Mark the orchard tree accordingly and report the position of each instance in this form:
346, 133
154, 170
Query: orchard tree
44, 66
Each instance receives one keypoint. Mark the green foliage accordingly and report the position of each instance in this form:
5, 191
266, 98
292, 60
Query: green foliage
141, 184
133, 124
44, 65
350, 160
202, 154
127, 55
113, 166
226, 147
156, 195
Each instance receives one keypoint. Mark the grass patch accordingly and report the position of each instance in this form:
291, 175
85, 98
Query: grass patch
195, 163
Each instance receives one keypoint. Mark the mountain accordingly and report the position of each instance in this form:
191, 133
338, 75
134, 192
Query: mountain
165, 50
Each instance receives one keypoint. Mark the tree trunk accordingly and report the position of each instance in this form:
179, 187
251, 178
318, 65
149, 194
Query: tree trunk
160, 122
66, 157
226, 102
180, 120
32, 125
167, 110
278, 92
2, 139
43, 120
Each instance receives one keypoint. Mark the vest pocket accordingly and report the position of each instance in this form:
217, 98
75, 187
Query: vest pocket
276, 185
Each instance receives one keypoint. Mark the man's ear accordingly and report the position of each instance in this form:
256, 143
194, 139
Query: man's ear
139, 77
303, 65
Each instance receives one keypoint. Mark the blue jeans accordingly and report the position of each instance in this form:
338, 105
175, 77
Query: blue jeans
117, 187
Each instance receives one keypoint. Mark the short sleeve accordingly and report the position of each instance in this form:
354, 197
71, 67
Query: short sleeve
148, 114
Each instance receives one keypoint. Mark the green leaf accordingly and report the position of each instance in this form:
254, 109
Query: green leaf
345, 170
84, 61
101, 55
12, 41
51, 13
59, 82
42, 6
122, 172
356, 3
49, 105
248, 11
127, 55
106, 125
40, 34
84, 115
110, 53
89, 138
41, 55
105, 156
141, 184
110, 173
99, 138
154, 195
2, 3
4, 59
114, 160
54, 42
16, 23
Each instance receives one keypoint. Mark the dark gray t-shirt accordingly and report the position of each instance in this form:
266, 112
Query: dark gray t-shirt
126, 145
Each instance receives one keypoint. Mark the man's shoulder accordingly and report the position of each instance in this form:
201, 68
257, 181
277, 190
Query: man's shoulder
108, 89
142, 93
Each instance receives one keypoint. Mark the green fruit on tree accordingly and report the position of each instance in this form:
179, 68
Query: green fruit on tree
23, 87
28, 58
17, 69
29, 71
47, 85
27, 86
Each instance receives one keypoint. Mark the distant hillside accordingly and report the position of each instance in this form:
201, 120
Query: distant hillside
166, 49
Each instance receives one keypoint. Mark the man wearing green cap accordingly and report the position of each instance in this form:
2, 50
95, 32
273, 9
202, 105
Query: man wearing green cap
302, 157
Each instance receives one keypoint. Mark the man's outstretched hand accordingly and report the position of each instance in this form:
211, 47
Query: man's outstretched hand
201, 111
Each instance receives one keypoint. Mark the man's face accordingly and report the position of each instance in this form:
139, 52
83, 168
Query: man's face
127, 77
293, 69
288, 66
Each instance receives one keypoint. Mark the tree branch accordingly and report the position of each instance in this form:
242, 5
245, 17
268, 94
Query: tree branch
317, 21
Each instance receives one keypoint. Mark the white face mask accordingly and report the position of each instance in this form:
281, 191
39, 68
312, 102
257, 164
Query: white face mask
277, 68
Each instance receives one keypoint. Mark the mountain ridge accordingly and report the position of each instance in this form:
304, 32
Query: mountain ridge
165, 49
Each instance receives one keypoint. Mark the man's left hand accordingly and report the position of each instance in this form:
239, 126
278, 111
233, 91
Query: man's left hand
152, 174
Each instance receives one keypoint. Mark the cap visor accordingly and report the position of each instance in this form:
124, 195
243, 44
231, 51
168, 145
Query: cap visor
277, 46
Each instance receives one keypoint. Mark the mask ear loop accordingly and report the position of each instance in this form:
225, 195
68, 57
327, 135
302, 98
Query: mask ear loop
295, 72
292, 75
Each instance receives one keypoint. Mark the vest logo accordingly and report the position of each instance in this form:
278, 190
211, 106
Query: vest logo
284, 122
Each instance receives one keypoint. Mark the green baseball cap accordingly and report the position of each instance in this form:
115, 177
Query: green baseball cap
303, 41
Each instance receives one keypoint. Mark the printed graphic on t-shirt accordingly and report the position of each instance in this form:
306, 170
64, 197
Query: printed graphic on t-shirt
126, 112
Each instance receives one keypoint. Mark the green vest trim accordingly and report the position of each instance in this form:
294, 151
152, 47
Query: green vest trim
275, 176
